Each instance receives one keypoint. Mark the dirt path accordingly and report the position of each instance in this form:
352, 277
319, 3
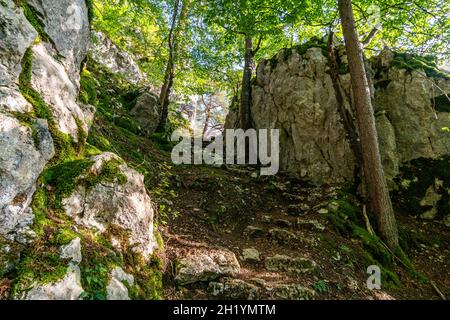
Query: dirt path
291, 249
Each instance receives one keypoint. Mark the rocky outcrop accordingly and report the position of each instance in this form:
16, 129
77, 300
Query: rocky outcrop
147, 112
119, 201
294, 92
118, 61
50, 80
25, 141
17, 34
22, 147
67, 25
19, 151
296, 95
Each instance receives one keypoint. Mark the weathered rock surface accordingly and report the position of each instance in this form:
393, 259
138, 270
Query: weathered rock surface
251, 254
288, 264
234, 289
66, 23
291, 292
17, 34
125, 205
202, 264
294, 93
72, 251
118, 61
68, 288
22, 159
147, 112
50, 79
116, 289
297, 97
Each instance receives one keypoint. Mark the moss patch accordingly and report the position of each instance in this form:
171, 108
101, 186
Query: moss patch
35, 19
427, 63
346, 219
301, 49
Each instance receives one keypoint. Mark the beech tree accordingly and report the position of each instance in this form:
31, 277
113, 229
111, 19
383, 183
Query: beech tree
379, 200
178, 24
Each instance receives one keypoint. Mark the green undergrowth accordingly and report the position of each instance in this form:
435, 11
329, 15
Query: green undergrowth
416, 178
347, 220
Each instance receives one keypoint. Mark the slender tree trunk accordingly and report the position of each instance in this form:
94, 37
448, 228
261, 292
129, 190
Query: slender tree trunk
380, 202
176, 29
246, 90
207, 116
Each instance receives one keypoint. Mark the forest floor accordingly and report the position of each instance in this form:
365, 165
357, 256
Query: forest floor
217, 205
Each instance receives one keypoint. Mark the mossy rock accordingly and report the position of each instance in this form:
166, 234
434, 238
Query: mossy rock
426, 63
415, 178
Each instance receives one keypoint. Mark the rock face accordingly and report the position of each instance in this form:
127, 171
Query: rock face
17, 34
50, 79
66, 23
21, 161
118, 61
27, 145
41, 79
293, 92
297, 97
147, 112
124, 204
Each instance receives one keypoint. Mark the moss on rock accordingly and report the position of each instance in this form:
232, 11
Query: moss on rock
416, 178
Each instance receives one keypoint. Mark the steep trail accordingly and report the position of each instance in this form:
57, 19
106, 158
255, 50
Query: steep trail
286, 222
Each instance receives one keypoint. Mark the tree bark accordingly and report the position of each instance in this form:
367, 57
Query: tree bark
176, 28
379, 200
246, 89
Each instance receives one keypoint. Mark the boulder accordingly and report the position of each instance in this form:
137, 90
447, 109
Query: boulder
147, 112
122, 202
204, 264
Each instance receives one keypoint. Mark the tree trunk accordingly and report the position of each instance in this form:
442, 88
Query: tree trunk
246, 91
379, 200
177, 27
